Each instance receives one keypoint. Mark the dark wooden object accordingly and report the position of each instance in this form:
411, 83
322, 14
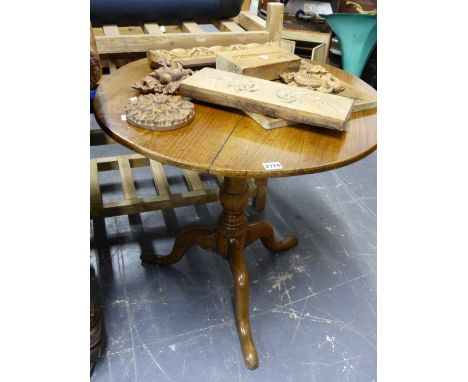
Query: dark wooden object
229, 239
226, 142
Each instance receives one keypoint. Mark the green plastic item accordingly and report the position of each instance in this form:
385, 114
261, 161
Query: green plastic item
357, 34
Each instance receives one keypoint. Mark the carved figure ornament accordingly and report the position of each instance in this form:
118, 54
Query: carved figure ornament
163, 80
314, 77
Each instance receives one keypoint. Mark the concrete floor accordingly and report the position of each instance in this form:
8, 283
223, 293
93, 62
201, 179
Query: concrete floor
313, 308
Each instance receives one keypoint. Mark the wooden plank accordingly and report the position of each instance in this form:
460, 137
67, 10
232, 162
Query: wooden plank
151, 28
168, 41
288, 45
191, 27
362, 101
138, 205
274, 21
245, 5
265, 62
229, 26
127, 178
251, 22
131, 30
269, 123
306, 35
318, 53
268, 98
159, 177
111, 30
95, 192
193, 180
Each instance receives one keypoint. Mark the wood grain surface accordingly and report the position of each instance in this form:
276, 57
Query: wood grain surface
227, 142
265, 62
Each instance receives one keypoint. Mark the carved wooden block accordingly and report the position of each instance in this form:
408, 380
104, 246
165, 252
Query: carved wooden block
202, 56
265, 62
268, 98
316, 77
159, 112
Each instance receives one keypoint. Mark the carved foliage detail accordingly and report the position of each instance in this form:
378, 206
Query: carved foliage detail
159, 112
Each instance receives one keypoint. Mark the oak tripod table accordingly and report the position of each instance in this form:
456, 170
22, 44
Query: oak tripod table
228, 143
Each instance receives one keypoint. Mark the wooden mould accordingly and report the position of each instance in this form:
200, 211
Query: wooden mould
268, 98
266, 62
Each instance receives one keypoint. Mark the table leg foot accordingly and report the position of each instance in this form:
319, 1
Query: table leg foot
264, 231
192, 236
241, 284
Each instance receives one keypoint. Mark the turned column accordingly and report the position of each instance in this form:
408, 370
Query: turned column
232, 223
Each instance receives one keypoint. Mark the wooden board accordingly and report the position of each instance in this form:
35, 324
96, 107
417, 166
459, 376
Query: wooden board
269, 123
263, 62
268, 98
362, 101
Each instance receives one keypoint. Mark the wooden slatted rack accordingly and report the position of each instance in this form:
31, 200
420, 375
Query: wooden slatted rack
118, 46
165, 198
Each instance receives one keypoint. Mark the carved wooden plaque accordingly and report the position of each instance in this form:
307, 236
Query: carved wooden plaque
159, 112
268, 98
265, 62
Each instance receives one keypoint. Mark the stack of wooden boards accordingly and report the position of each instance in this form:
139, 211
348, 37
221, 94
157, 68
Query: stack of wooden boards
242, 80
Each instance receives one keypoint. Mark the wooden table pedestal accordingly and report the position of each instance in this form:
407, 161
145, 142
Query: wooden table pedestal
232, 234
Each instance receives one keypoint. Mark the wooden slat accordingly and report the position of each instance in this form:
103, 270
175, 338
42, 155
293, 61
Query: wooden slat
111, 30
127, 178
95, 192
193, 180
318, 53
191, 27
311, 36
125, 207
168, 41
274, 21
251, 22
112, 66
131, 30
159, 177
151, 28
229, 26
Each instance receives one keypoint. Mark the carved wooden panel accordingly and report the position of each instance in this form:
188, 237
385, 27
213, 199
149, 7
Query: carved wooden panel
268, 98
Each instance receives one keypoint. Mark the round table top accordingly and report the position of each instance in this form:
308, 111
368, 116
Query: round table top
227, 142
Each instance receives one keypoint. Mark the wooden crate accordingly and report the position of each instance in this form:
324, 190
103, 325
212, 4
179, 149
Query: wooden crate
132, 204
